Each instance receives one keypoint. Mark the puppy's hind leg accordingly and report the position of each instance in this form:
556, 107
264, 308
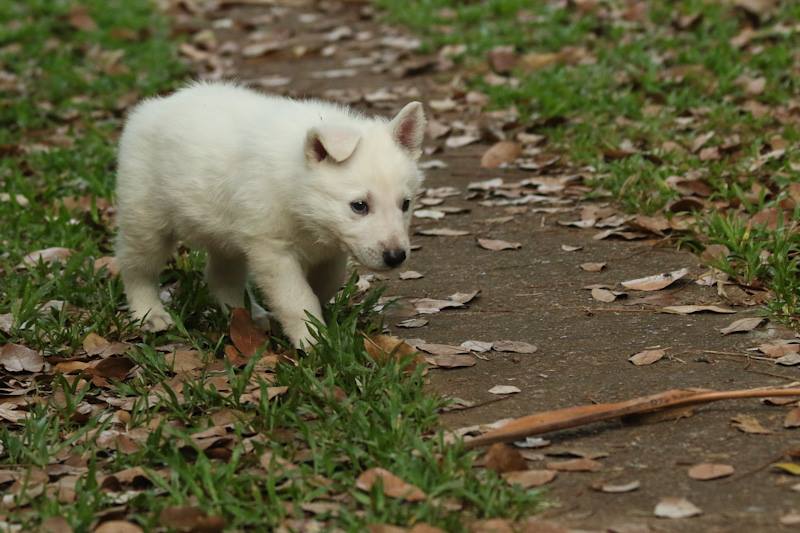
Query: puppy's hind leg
141, 256
226, 274
328, 277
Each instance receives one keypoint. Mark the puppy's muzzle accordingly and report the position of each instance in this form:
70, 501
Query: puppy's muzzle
393, 258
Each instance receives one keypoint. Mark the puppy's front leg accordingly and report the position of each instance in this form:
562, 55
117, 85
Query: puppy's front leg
280, 276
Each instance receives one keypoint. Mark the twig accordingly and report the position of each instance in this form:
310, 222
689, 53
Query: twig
571, 417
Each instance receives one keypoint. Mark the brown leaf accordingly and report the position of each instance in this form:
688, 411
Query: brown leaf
118, 526
792, 419
55, 524
502, 59
109, 263
410, 274
617, 488
690, 309
749, 424
80, 19
709, 471
592, 267
116, 368
497, 245
575, 465
503, 458
190, 519
18, 358
184, 360
451, 361
94, 344
439, 349
413, 323
384, 348
514, 346
246, 336
779, 348
604, 295
47, 256
527, 479
393, 486
647, 357
499, 153
742, 325
656, 282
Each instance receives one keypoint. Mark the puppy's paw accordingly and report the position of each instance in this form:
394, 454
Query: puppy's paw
157, 321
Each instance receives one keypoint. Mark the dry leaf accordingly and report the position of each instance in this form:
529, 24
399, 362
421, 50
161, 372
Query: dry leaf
604, 295
592, 267
47, 256
514, 346
503, 458
789, 468
439, 349
647, 357
743, 324
117, 526
246, 336
497, 245
412, 323
504, 389
477, 346
792, 419
617, 489
502, 59
80, 19
575, 465
393, 486
384, 348
527, 479
568, 248
500, 153
184, 360
709, 471
657, 282
676, 508
442, 232
451, 361
94, 344
749, 424
410, 274
18, 358
190, 519
689, 309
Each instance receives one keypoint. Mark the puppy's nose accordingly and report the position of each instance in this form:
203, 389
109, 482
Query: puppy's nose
393, 258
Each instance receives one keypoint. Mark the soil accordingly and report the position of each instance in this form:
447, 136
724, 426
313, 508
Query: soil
535, 294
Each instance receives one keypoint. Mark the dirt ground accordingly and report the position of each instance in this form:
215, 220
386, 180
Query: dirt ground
535, 294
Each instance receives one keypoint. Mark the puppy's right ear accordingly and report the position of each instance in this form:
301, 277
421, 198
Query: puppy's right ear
335, 143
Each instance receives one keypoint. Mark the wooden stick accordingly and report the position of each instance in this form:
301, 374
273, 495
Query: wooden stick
582, 415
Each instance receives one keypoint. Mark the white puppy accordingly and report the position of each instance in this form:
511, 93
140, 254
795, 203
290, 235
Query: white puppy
281, 189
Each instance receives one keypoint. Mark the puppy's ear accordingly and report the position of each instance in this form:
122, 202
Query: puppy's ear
331, 141
408, 128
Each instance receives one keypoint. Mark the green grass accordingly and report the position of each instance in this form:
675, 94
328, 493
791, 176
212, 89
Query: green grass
629, 92
342, 412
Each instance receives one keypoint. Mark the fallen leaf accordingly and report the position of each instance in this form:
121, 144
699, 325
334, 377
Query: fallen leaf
451, 361
742, 325
18, 358
676, 508
413, 323
514, 346
384, 348
709, 471
792, 419
410, 274
568, 248
94, 344
497, 245
779, 348
575, 465
439, 349
6, 323
442, 232
689, 309
503, 458
527, 479
246, 336
647, 357
617, 489
47, 256
749, 424
592, 267
459, 141
502, 59
477, 346
504, 389
789, 468
463, 297
604, 295
117, 526
433, 214
107, 262
393, 486
790, 519
656, 282
189, 518
80, 19
790, 359
184, 360
500, 153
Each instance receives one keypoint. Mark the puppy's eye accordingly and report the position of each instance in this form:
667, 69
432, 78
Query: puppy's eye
359, 207
406, 205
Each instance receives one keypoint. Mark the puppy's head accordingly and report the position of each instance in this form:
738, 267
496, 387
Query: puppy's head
364, 179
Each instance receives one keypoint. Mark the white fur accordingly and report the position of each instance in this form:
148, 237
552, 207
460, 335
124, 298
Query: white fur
264, 184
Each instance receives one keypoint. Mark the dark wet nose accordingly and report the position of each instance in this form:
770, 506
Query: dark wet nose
393, 258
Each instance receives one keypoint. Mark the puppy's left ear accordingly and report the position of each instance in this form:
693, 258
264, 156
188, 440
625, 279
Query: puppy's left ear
408, 129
